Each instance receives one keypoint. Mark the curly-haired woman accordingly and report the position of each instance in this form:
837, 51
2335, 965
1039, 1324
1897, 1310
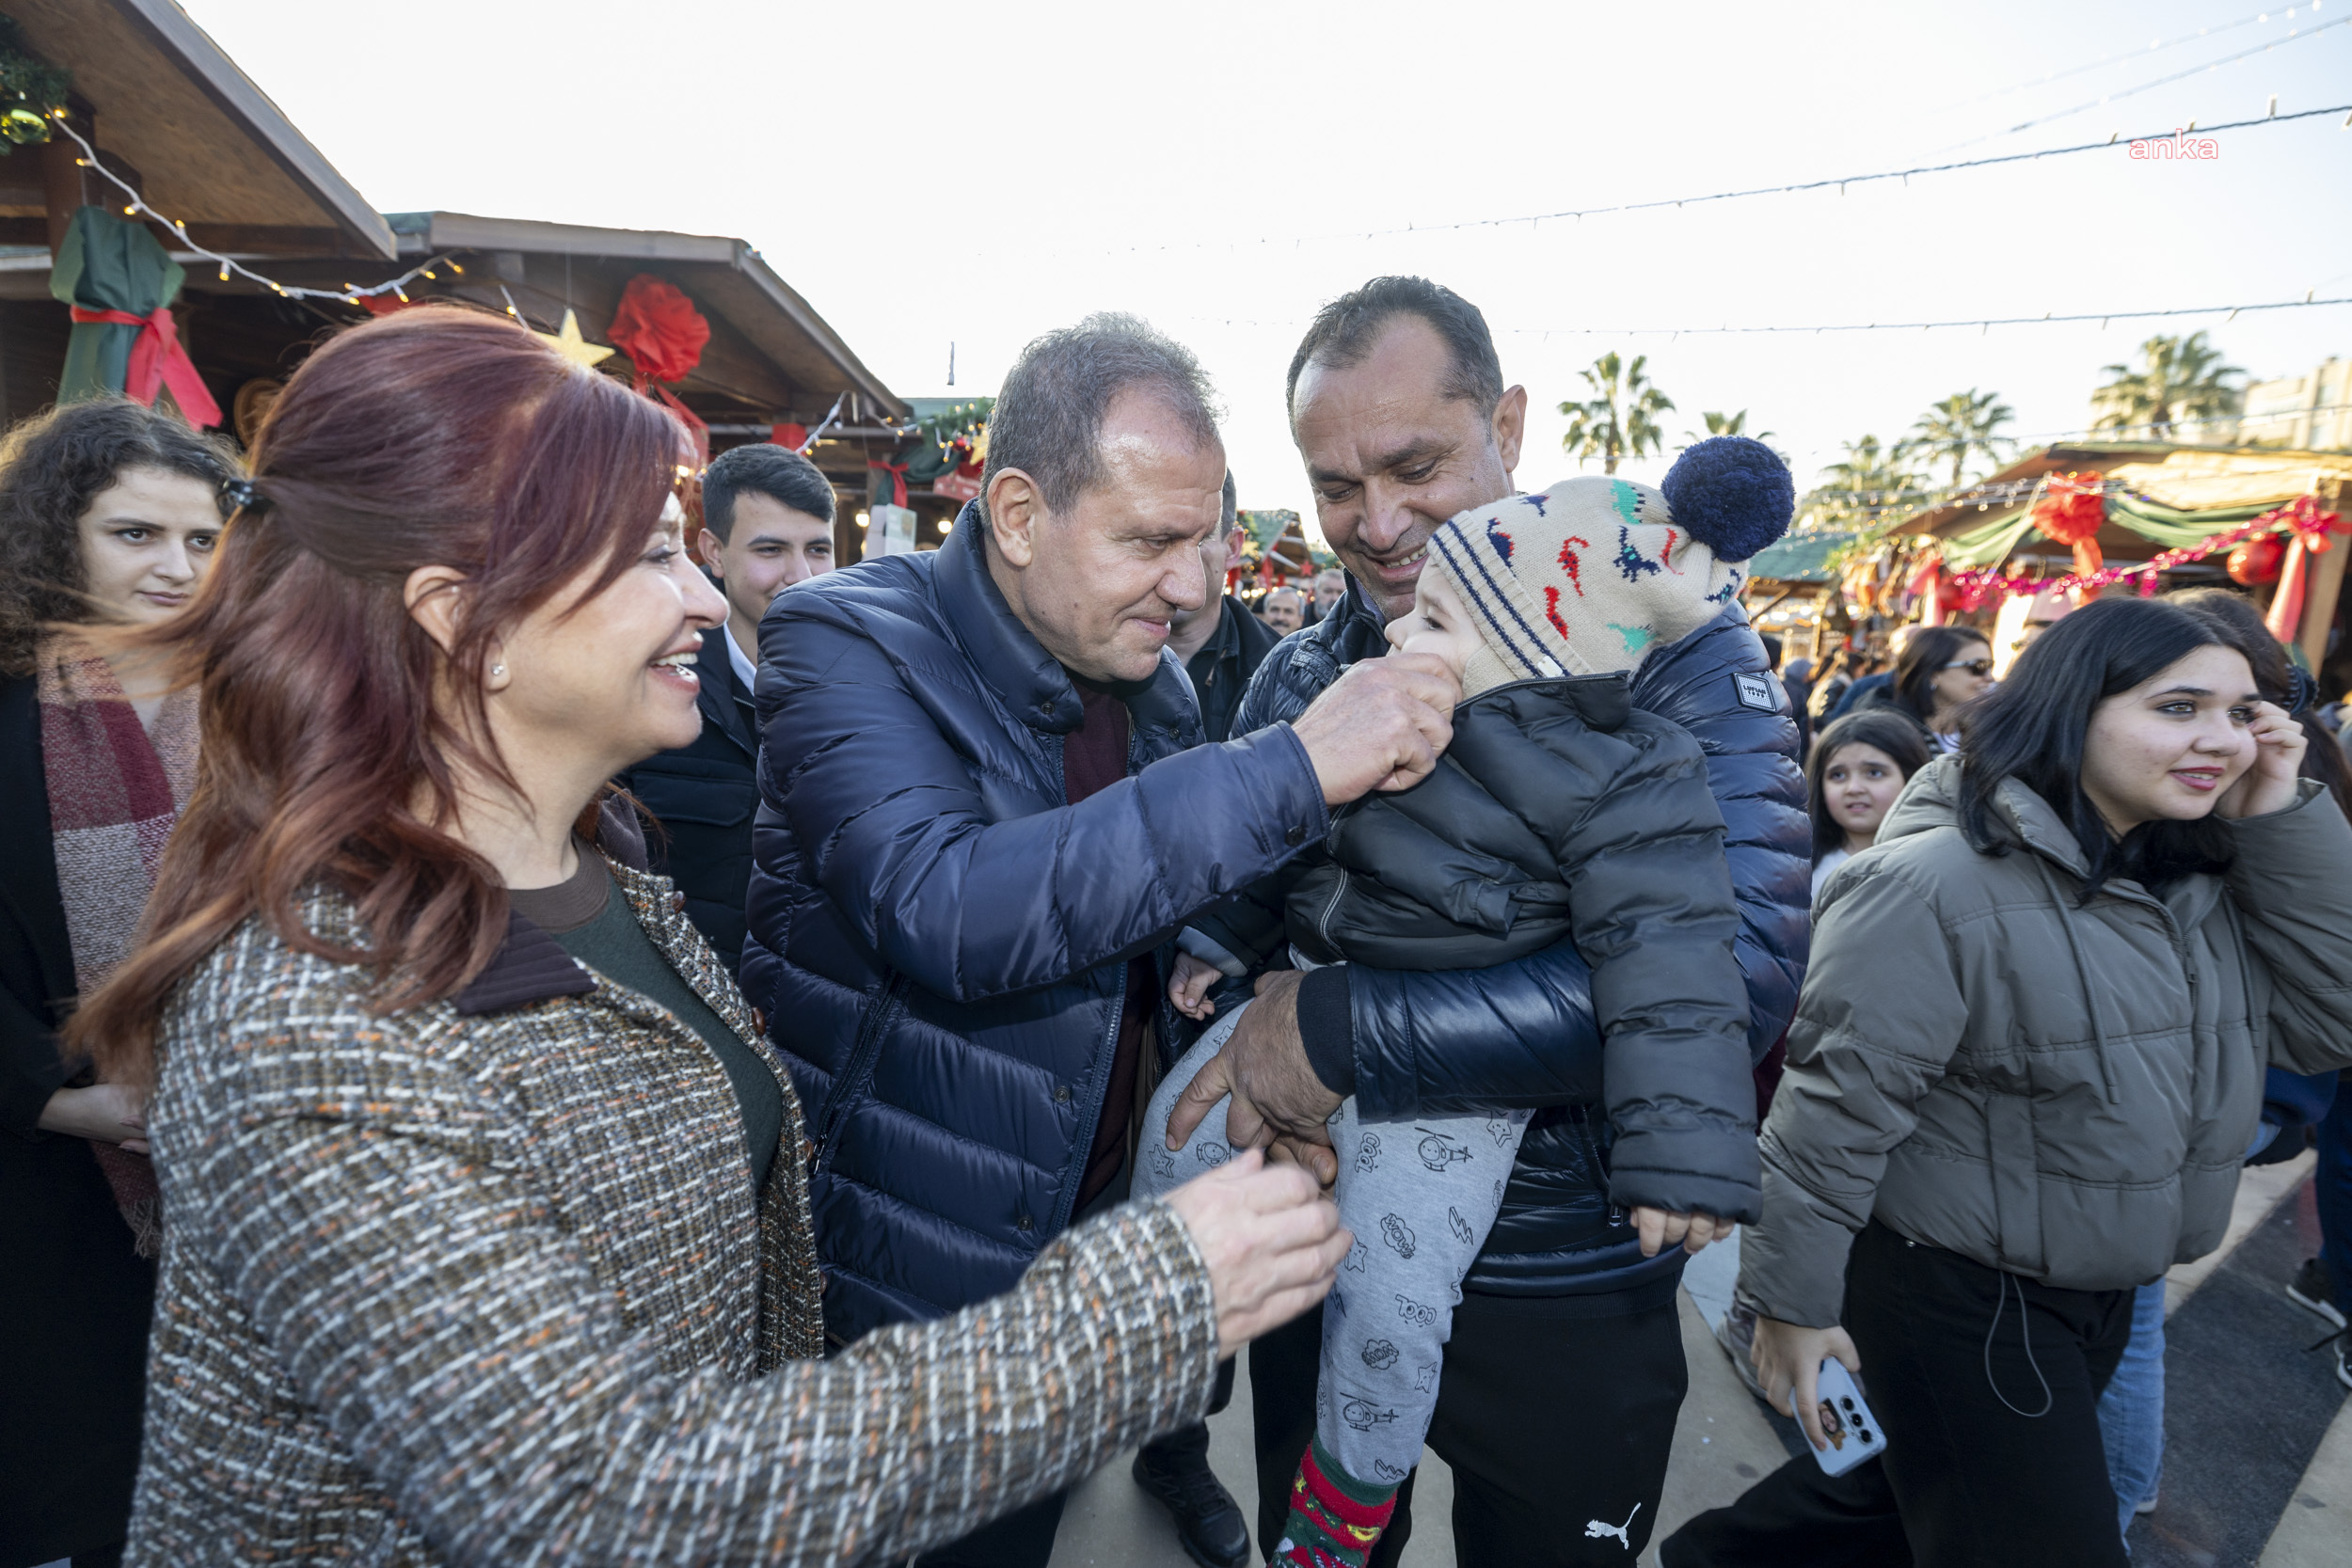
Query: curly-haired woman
486, 1231
109, 513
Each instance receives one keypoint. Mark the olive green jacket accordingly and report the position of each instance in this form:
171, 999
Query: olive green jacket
2063, 1092
487, 1282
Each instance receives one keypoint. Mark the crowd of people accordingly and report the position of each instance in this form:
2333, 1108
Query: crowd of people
527, 1044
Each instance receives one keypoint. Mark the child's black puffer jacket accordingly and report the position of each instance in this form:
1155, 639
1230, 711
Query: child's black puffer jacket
1559, 810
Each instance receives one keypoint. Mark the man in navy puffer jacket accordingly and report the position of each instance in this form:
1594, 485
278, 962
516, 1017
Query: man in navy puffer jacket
1566, 1367
985, 808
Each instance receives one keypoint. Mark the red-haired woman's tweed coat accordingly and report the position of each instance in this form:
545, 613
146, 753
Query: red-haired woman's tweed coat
485, 1283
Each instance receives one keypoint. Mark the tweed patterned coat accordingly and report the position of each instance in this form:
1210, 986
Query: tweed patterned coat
485, 1282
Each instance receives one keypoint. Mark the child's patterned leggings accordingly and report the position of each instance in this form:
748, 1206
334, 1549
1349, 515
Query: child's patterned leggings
1420, 1197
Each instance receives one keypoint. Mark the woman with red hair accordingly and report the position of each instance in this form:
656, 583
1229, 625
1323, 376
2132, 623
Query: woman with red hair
485, 1219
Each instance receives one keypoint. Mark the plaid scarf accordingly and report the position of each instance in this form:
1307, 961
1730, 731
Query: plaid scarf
114, 790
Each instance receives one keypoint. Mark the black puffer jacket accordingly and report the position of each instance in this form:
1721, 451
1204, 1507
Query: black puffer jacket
1523, 1032
1560, 813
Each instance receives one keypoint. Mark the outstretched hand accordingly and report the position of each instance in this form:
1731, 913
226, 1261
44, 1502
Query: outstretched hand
1272, 1244
1381, 725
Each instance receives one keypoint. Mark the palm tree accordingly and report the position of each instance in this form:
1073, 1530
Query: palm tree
1726, 425
1870, 481
1962, 425
1621, 417
2183, 380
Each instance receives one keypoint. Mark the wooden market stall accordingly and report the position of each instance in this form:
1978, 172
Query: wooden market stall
2111, 517
173, 117
250, 248
1791, 590
701, 321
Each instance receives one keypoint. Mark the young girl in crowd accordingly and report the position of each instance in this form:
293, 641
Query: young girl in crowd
2028, 1056
109, 513
1940, 671
486, 1233
1558, 809
1857, 768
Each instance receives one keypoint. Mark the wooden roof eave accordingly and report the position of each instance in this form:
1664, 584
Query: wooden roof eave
725, 275
190, 89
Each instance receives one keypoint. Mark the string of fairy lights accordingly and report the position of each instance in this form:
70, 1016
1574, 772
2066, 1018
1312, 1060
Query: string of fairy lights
135, 205
2294, 36
2152, 46
1839, 183
1985, 323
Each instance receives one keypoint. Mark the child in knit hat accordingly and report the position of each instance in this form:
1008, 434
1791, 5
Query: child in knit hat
1557, 812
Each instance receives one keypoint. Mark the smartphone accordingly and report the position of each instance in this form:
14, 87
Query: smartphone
1854, 1433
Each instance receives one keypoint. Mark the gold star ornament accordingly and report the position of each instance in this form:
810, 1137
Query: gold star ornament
571, 345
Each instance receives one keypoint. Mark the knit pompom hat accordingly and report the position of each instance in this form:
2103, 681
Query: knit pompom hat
1591, 575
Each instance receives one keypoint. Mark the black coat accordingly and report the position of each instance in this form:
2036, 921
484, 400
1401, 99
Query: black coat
940, 942
1524, 1033
701, 797
1221, 670
75, 1296
1561, 813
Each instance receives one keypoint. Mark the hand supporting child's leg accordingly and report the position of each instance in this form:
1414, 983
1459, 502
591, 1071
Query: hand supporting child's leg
1160, 1169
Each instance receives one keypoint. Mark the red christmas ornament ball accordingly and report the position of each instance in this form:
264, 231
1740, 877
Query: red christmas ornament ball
2256, 561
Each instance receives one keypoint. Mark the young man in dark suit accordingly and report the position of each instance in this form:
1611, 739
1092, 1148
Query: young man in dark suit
767, 518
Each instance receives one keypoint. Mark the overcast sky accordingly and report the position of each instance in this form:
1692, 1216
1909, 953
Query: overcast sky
977, 174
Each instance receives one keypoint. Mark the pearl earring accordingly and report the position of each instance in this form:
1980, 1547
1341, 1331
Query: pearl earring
497, 671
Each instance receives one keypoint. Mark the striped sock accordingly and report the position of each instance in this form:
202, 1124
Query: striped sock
1335, 1520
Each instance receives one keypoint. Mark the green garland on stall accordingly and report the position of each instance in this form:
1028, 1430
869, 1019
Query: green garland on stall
29, 89
963, 422
944, 442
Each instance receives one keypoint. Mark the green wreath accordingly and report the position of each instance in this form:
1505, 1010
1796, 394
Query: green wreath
30, 89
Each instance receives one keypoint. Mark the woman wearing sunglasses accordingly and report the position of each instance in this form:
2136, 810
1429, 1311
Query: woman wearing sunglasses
1941, 671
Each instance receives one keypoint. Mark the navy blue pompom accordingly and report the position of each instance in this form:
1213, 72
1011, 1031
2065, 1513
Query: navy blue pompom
1733, 494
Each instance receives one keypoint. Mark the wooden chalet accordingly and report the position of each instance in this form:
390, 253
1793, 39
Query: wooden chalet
2160, 497
171, 113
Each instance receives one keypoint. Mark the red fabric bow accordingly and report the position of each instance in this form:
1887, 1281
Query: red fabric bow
158, 360
660, 329
2069, 511
898, 473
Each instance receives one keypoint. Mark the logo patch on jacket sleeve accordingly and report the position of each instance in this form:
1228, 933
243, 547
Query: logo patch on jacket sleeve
1757, 691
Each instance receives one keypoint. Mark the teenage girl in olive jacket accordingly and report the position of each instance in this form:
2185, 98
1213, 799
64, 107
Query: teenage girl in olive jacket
2027, 1058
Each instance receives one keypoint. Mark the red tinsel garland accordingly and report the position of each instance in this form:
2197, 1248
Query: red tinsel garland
2300, 515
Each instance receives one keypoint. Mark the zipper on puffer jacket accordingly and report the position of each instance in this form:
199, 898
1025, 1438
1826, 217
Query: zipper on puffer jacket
1330, 908
1067, 1204
851, 1085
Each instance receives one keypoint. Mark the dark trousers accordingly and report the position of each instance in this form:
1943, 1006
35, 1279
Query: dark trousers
1549, 1421
2334, 1190
1191, 1443
1999, 1472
